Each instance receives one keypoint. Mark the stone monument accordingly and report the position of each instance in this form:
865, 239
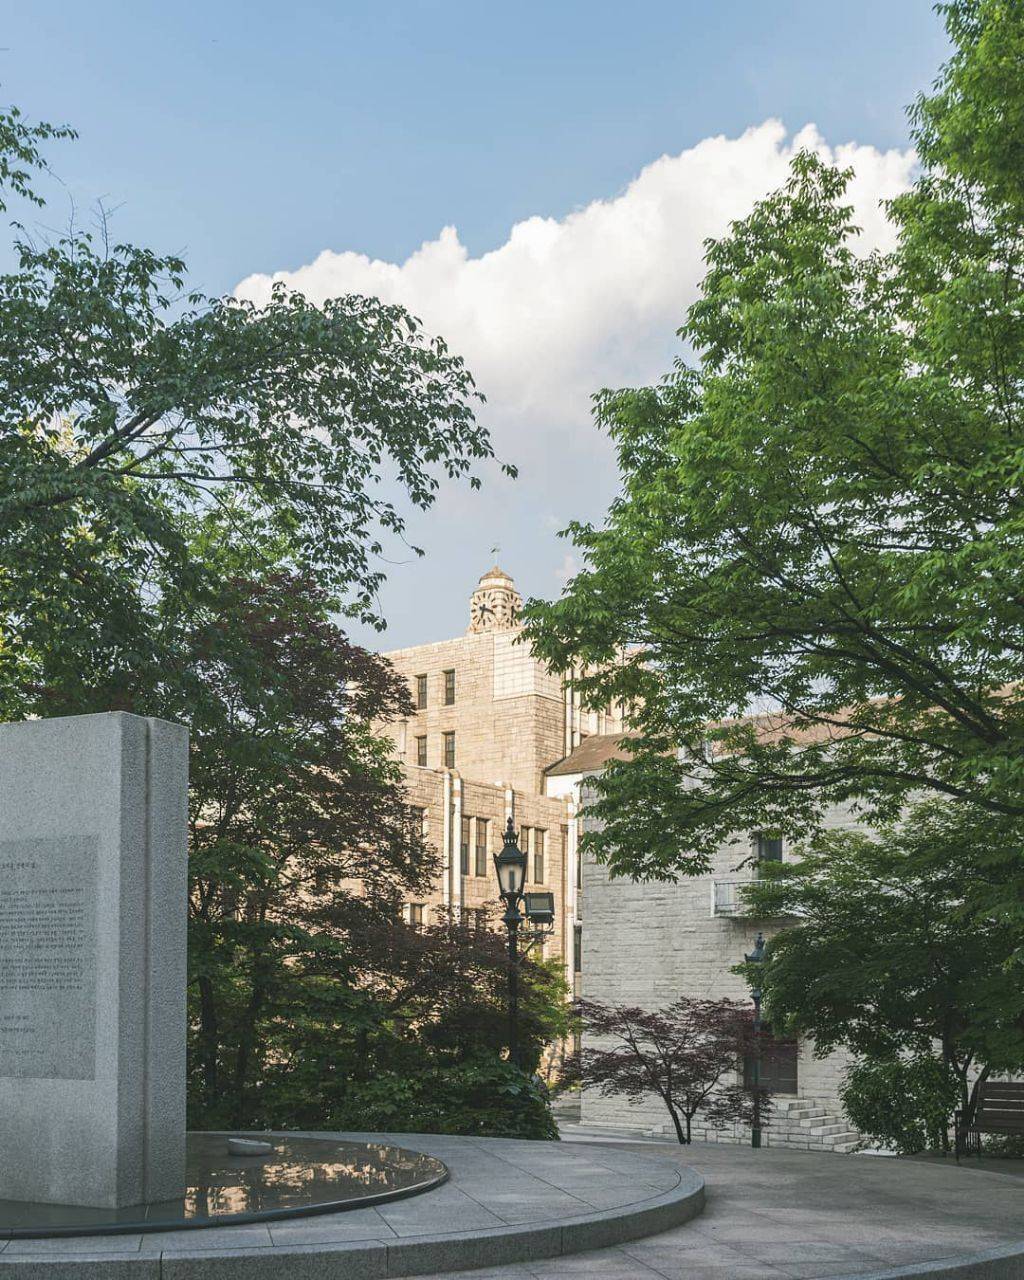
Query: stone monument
93, 825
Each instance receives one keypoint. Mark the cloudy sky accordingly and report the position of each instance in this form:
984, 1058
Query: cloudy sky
534, 181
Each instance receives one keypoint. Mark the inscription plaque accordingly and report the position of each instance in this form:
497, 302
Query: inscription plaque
48, 958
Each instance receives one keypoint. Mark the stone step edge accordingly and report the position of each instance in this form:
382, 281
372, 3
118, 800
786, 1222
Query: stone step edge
377, 1259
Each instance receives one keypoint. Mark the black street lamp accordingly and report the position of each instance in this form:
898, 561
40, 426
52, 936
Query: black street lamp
756, 957
510, 865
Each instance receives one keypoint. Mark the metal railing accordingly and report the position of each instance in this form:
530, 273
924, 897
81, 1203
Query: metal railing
728, 899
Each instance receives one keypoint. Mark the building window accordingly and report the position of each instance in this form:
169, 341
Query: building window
449, 750
464, 847
769, 848
577, 948
418, 824
481, 867
421, 692
540, 839
416, 914
779, 1065
421, 751
449, 688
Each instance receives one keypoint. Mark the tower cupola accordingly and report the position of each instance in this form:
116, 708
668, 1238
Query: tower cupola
495, 605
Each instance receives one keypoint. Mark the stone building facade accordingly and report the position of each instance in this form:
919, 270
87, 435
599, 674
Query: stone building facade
489, 719
647, 944
495, 735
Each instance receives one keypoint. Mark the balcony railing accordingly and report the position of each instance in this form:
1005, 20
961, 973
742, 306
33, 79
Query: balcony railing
728, 899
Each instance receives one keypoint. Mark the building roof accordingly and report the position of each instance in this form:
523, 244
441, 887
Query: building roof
599, 749
593, 753
496, 572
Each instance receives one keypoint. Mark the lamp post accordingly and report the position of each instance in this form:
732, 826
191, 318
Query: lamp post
510, 865
756, 957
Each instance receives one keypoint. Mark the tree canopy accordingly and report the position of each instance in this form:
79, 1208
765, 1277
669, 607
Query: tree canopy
192, 490
901, 946
130, 401
823, 516
895, 948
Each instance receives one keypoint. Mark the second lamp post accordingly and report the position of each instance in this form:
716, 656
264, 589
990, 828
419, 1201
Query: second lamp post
756, 957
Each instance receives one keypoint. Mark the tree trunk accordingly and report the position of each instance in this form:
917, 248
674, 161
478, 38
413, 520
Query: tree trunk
971, 1104
684, 1138
209, 1041
247, 1040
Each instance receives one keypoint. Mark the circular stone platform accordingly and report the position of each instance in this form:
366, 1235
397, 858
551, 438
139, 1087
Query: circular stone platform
506, 1201
301, 1176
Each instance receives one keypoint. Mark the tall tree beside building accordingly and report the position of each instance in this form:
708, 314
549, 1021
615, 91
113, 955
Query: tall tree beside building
191, 490
311, 1000
825, 514
130, 401
897, 955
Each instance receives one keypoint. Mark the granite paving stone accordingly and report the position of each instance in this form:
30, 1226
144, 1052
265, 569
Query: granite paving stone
301, 1233
241, 1237
773, 1215
92, 1266
298, 1262
73, 1245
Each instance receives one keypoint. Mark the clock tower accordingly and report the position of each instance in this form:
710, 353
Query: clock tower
495, 605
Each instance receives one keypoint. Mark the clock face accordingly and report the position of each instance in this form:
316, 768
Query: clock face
493, 608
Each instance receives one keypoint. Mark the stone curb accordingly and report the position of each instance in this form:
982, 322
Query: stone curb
1005, 1263
379, 1259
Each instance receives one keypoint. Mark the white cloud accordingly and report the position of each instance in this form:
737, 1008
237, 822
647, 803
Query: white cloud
566, 306
569, 568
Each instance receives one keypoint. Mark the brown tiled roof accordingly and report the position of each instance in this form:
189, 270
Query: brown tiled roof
773, 726
592, 754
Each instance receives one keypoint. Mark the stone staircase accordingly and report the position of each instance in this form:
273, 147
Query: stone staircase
811, 1125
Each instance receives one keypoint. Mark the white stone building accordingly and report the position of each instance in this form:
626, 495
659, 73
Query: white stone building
647, 944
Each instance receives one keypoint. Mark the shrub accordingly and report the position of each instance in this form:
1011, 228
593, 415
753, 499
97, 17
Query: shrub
903, 1103
484, 1097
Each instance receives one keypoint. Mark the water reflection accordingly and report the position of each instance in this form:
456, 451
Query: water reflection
301, 1176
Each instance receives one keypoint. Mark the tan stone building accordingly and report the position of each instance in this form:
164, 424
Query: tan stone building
489, 721
495, 735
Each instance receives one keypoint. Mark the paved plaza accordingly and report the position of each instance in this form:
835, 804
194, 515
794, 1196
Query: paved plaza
777, 1213
770, 1214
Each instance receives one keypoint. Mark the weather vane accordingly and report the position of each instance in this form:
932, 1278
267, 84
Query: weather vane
496, 550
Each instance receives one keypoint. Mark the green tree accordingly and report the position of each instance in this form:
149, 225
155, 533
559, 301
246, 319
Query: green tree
130, 401
299, 829
825, 516
903, 1103
897, 956
416, 1042
191, 490
312, 1002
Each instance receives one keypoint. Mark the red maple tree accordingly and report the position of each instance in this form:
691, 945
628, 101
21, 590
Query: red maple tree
689, 1054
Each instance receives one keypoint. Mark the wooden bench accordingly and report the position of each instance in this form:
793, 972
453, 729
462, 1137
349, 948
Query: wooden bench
1000, 1110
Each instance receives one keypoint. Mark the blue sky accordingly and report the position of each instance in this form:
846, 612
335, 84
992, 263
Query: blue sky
252, 137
